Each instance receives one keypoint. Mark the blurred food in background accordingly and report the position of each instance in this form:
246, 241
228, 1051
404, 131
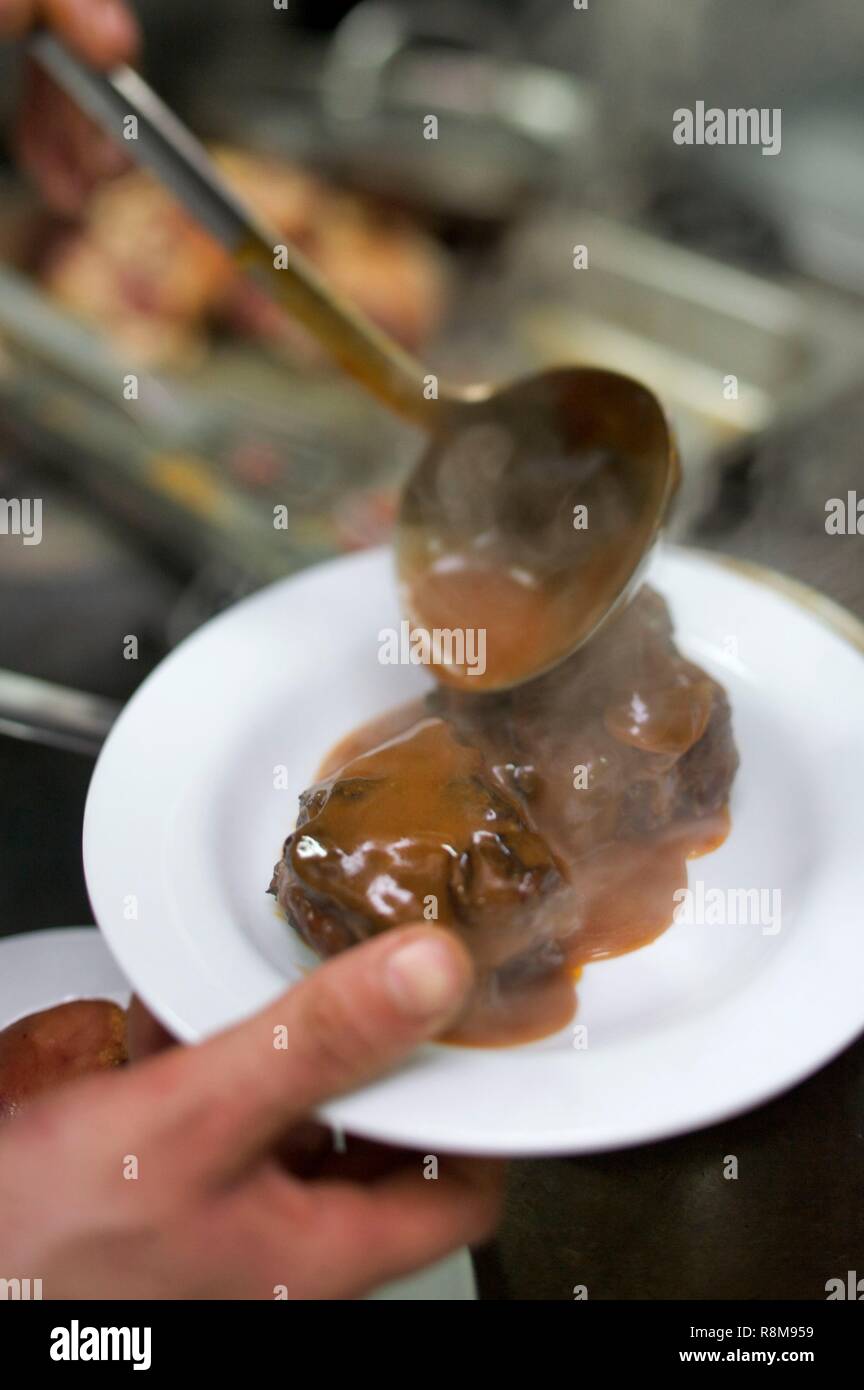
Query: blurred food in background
139, 268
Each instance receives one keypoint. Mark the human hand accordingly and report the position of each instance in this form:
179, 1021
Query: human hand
60, 147
233, 1194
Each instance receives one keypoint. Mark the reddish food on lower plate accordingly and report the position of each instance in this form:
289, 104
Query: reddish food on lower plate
50, 1048
548, 826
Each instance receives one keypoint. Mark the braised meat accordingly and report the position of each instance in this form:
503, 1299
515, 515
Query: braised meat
418, 827
622, 739
546, 825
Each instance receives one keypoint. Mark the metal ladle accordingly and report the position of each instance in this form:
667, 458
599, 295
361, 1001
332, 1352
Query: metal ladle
490, 528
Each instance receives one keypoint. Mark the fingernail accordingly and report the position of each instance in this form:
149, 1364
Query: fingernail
426, 978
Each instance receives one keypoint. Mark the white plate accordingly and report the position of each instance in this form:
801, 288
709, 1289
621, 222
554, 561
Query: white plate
41, 969
183, 825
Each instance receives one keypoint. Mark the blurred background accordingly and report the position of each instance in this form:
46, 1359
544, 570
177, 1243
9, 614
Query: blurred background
554, 130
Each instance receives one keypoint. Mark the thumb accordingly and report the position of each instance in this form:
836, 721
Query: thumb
353, 1019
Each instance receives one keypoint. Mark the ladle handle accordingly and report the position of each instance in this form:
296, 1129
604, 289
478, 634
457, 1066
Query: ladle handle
157, 139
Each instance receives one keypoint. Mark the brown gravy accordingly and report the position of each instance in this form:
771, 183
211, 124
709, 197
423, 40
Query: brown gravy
621, 893
521, 614
529, 521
